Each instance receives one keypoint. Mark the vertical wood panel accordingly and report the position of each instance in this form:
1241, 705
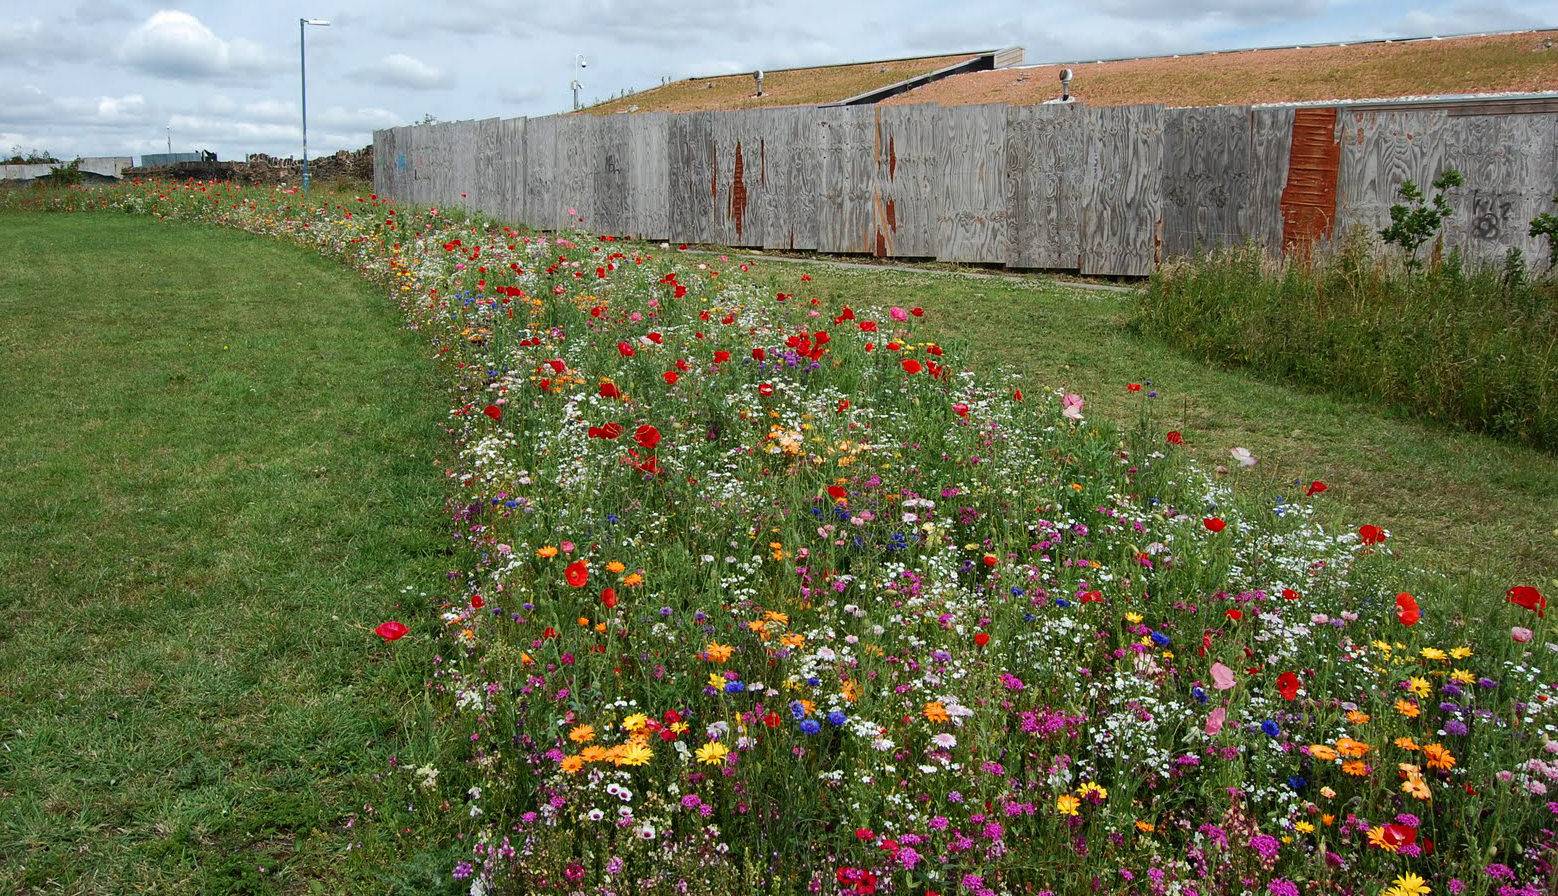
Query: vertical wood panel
541, 203
1510, 164
1381, 150
971, 211
1207, 178
844, 213
1123, 213
647, 170
1271, 141
906, 170
805, 186
1045, 157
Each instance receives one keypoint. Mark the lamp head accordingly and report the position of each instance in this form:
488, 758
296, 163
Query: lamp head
321, 22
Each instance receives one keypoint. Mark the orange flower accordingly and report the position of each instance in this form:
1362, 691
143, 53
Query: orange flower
1438, 757
1358, 718
1406, 743
572, 764
1407, 708
1352, 749
1356, 767
1377, 838
936, 712
1322, 752
717, 652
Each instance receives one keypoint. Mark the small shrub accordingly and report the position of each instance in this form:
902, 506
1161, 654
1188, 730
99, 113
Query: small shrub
1414, 222
66, 175
1546, 224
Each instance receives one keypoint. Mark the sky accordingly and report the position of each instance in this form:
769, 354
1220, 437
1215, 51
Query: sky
122, 77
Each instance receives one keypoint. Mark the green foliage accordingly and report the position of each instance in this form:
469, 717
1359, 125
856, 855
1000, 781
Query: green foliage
1546, 224
1474, 347
20, 156
1414, 221
66, 175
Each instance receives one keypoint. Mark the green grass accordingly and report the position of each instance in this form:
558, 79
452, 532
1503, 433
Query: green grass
1470, 346
217, 473
1458, 503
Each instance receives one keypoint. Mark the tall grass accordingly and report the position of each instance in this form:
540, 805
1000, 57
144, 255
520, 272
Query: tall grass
1475, 347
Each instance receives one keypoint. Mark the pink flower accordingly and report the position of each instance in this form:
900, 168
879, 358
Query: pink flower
1520, 635
1071, 406
1214, 721
1222, 677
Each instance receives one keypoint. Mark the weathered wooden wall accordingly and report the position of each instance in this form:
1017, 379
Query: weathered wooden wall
1105, 191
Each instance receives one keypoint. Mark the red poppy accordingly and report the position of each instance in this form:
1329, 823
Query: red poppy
608, 598
843, 405
477, 602
1235, 614
577, 574
721, 356
982, 638
625, 350
391, 630
1133, 387
1314, 488
1214, 523
837, 492
917, 311
1399, 835
558, 365
960, 408
493, 411
646, 436
1528, 597
911, 366
608, 390
1016, 395
765, 389
654, 337
1407, 610
759, 354
670, 377
771, 720
1174, 438
1372, 534
1287, 685
1289, 594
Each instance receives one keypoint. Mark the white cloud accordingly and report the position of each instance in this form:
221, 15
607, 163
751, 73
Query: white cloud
400, 70
175, 44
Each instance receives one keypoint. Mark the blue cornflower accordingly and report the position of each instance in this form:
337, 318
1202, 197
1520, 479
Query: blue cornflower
1270, 728
613, 518
797, 710
735, 687
1017, 591
814, 681
1297, 782
1199, 693
810, 726
1062, 602
836, 718
1160, 639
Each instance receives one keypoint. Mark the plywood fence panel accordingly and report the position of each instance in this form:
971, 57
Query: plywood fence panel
904, 193
844, 213
1207, 178
1510, 165
611, 208
1123, 212
1380, 151
689, 177
511, 171
647, 169
971, 205
1045, 154
541, 202
805, 184
486, 191
1271, 145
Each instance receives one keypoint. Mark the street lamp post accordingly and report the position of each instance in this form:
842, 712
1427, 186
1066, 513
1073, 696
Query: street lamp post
303, 71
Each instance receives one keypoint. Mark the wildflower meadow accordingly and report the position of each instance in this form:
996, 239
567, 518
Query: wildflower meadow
752, 592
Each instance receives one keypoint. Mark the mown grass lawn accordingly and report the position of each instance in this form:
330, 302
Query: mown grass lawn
217, 472
1457, 503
